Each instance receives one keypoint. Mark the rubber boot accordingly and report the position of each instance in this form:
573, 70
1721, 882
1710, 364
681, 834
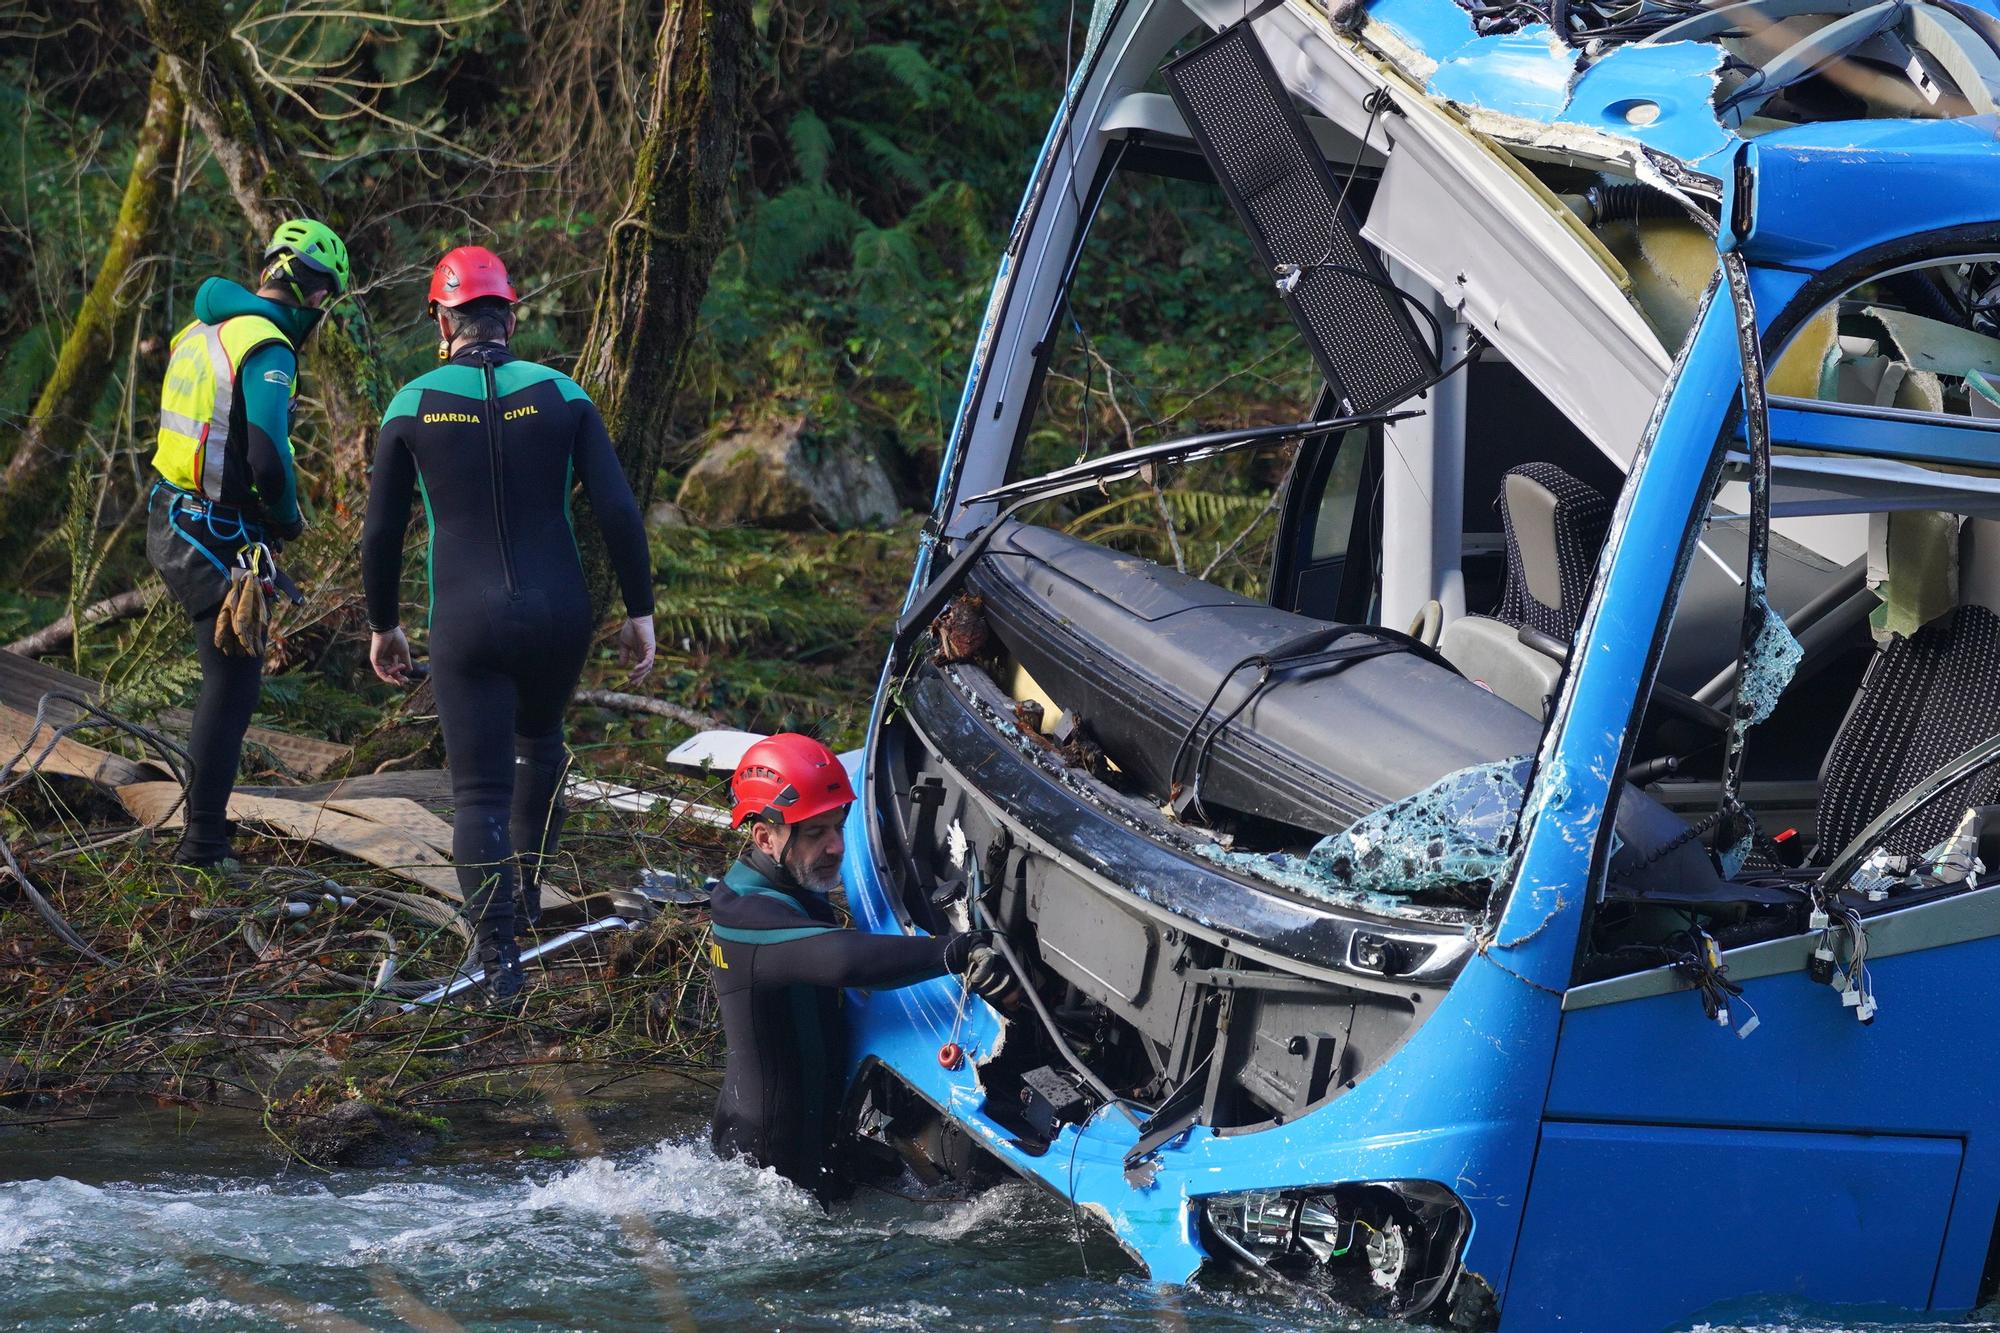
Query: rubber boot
206, 848
500, 956
536, 819
490, 909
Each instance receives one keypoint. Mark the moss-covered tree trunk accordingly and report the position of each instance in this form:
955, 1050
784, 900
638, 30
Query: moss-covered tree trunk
661, 249
271, 182
104, 323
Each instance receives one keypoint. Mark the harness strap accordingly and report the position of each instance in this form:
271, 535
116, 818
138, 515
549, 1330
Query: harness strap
180, 502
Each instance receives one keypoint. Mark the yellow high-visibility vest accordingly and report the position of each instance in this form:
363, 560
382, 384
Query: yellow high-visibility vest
196, 397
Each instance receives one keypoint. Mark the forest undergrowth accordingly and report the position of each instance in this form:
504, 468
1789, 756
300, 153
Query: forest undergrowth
281, 989
879, 157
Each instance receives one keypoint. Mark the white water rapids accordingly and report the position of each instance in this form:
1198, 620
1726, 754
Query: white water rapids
126, 1225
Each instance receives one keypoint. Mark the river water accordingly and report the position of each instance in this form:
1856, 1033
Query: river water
152, 1221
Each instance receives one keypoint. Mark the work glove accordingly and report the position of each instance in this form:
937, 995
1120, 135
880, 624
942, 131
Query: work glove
958, 949
245, 615
986, 971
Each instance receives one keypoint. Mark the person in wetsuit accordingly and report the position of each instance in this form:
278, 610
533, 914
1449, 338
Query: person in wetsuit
494, 444
226, 483
779, 958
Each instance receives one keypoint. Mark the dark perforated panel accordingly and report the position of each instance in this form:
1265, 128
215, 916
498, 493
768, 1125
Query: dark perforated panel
1359, 330
1926, 700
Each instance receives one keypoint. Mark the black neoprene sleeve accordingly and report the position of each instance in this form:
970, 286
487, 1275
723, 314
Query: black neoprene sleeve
856, 958
390, 492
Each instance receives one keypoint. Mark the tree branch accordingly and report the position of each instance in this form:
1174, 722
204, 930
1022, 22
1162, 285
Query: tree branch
641, 703
52, 636
77, 382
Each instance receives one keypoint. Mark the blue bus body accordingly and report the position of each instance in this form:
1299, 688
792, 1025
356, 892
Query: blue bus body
1622, 1161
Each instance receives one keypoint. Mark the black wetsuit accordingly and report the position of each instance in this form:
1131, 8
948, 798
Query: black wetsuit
494, 444
779, 959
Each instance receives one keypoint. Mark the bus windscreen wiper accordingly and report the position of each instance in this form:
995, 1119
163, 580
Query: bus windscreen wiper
1120, 466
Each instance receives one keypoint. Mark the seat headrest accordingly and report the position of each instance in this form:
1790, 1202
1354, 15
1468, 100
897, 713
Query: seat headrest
1555, 526
1979, 563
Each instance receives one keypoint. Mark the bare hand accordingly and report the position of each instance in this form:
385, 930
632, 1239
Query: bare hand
389, 654
635, 647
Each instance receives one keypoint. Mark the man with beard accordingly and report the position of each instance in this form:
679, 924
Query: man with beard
780, 958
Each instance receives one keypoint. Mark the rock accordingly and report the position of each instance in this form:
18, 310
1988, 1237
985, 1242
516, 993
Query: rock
362, 1133
775, 475
666, 514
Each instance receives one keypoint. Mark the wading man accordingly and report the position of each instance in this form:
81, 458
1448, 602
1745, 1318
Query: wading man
226, 488
495, 444
780, 958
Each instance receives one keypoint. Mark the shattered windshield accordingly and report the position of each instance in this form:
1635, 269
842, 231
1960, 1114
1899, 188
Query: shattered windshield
1445, 845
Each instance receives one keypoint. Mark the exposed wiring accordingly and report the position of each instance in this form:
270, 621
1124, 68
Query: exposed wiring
1068, 1053
1699, 960
1075, 1210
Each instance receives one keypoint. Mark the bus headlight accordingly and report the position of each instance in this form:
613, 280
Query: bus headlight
1387, 1247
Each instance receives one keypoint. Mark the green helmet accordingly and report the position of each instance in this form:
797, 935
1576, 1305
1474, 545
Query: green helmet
313, 245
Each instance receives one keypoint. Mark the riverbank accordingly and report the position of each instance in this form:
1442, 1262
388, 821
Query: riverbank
209, 996
279, 991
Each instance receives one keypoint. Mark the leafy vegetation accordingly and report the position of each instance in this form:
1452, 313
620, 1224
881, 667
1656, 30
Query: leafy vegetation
885, 151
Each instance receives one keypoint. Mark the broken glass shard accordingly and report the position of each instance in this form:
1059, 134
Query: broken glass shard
1449, 841
1767, 669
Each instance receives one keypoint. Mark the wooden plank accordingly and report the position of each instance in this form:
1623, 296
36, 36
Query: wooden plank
398, 813
69, 758
397, 835
299, 756
408, 817
24, 680
364, 839
426, 786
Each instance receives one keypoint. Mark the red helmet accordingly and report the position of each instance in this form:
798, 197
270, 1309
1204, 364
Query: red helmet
790, 778
468, 273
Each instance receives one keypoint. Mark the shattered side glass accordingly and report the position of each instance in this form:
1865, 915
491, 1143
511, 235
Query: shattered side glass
1767, 672
1447, 842
1100, 23
1767, 668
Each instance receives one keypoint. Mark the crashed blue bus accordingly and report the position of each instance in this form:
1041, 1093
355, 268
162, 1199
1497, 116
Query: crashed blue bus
1552, 889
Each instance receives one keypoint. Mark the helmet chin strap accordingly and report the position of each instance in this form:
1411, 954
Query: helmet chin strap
797, 872
781, 868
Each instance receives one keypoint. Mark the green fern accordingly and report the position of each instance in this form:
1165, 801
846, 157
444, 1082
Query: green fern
723, 590
925, 82
797, 227
155, 666
886, 260
889, 157
79, 539
812, 146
